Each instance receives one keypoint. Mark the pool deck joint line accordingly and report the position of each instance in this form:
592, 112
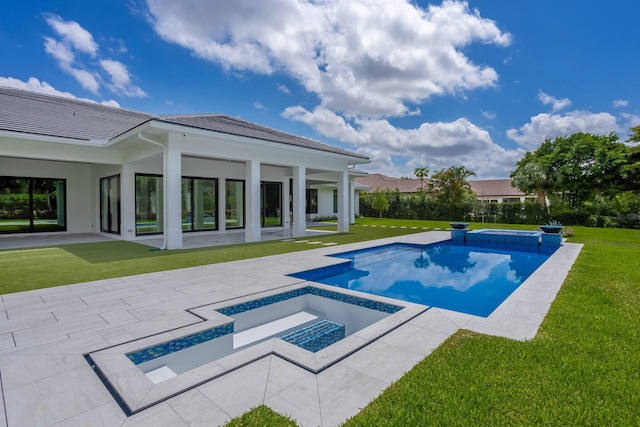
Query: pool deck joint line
45, 333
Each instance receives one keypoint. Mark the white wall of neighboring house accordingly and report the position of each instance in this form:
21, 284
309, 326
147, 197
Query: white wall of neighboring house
325, 201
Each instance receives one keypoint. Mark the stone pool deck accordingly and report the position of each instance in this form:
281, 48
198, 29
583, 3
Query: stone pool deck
45, 379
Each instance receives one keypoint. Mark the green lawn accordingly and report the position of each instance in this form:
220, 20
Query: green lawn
583, 367
25, 269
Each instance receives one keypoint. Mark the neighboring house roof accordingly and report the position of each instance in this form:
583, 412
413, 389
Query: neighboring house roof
495, 187
47, 115
377, 181
483, 188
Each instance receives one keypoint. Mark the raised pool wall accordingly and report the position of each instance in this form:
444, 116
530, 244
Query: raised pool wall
527, 239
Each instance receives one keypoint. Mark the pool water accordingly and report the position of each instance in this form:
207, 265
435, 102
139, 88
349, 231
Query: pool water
463, 278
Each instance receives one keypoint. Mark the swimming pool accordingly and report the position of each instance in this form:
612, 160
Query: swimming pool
469, 279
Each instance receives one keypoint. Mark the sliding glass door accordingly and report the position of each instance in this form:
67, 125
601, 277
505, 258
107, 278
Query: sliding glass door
31, 205
110, 204
234, 204
149, 204
199, 211
271, 204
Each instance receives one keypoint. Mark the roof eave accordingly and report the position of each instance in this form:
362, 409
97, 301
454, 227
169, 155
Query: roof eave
98, 143
160, 124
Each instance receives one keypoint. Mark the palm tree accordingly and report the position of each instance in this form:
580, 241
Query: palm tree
421, 174
451, 186
530, 176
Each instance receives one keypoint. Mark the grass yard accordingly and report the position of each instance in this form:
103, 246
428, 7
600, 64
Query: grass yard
26, 269
583, 367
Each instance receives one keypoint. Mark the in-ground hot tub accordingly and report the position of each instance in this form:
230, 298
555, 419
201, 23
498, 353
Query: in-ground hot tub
505, 237
524, 239
311, 326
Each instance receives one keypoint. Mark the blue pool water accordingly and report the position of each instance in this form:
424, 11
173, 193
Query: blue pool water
468, 279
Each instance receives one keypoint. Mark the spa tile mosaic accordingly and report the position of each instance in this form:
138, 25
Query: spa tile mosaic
504, 238
317, 336
349, 299
178, 344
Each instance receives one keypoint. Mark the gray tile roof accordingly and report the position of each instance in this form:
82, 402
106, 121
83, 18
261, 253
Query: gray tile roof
233, 126
35, 113
47, 115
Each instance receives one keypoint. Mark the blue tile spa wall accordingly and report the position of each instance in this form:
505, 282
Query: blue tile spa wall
317, 336
150, 353
178, 344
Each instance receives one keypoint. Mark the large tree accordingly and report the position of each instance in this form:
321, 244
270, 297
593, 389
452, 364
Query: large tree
635, 134
450, 185
578, 167
532, 177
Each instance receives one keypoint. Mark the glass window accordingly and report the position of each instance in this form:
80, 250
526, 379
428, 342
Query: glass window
149, 204
312, 201
110, 204
335, 201
234, 204
29, 205
271, 204
199, 197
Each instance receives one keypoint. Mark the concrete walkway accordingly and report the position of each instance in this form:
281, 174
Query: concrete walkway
45, 379
189, 240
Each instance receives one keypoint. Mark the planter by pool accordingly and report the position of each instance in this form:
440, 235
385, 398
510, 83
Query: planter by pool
551, 228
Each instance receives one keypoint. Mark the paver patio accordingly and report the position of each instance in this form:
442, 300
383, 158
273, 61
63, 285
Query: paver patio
45, 379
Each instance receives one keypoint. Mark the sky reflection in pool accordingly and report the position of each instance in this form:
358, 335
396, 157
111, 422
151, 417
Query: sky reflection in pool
468, 279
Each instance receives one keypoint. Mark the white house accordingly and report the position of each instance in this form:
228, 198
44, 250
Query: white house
71, 166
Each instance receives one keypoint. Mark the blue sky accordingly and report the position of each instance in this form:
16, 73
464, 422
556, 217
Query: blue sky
407, 83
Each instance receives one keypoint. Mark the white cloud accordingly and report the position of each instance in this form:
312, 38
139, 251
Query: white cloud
35, 85
556, 104
73, 34
86, 79
620, 103
631, 120
62, 53
544, 126
360, 57
58, 50
437, 145
260, 106
75, 39
121, 79
489, 115
284, 89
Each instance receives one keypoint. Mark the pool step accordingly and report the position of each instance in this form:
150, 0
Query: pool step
269, 329
317, 336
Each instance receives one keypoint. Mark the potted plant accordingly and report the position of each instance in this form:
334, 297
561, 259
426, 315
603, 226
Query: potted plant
459, 225
552, 227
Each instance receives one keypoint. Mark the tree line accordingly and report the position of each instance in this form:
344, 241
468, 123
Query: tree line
580, 179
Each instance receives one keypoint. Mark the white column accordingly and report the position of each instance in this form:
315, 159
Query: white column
343, 201
253, 228
128, 202
222, 204
352, 202
299, 201
172, 196
286, 204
